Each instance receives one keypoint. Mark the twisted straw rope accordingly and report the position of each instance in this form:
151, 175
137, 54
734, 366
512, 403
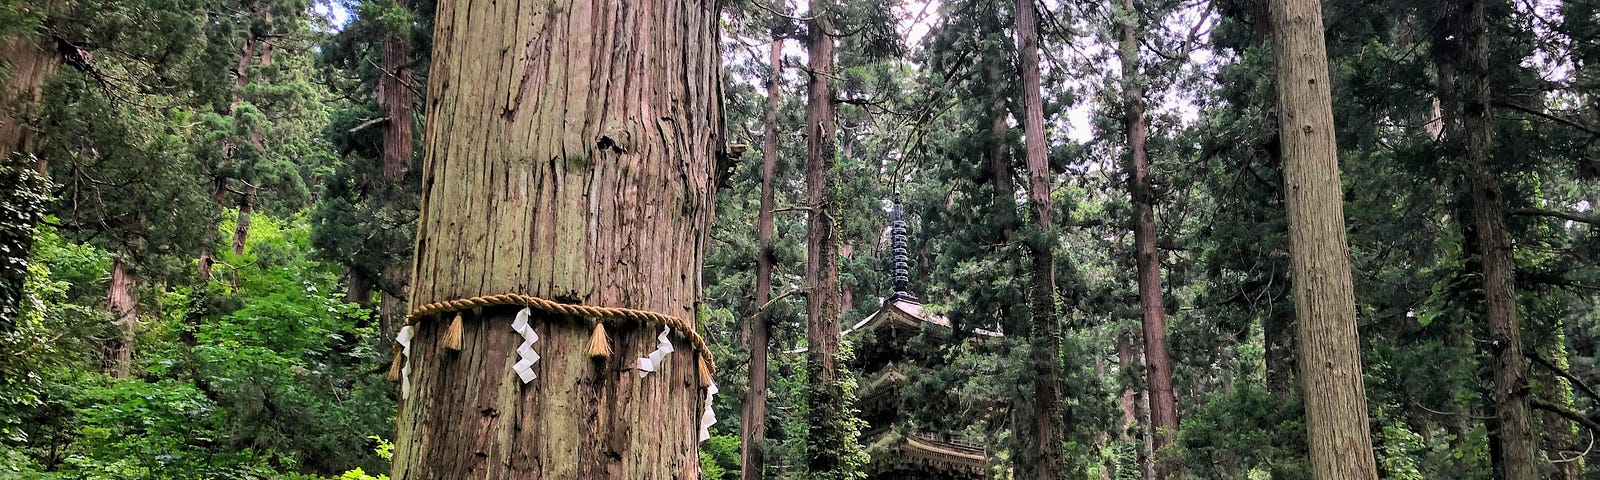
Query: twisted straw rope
597, 313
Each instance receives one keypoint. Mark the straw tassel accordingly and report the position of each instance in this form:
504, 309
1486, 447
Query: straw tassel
599, 345
452, 335
705, 371
394, 367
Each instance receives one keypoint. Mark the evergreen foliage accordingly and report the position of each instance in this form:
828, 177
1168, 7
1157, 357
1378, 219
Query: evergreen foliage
151, 149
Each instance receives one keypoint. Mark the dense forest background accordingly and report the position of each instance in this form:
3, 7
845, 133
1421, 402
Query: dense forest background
209, 209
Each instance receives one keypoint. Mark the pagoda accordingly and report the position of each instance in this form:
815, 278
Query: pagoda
884, 365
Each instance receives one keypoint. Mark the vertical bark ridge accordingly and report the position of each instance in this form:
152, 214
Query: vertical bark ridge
1163, 403
569, 156
1043, 335
1329, 350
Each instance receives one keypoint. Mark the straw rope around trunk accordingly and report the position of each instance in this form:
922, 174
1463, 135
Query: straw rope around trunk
599, 314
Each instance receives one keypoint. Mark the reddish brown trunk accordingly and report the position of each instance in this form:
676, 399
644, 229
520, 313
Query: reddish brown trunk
392, 309
1133, 402
241, 225
208, 255
1163, 404
358, 289
1337, 424
999, 164
394, 95
1046, 346
569, 156
125, 312
1518, 451
752, 451
822, 266
30, 59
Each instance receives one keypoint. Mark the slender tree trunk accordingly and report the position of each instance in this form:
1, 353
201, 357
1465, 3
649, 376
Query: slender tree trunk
1163, 404
1330, 352
569, 155
246, 205
1005, 193
394, 94
241, 226
124, 310
208, 254
1517, 448
1128, 356
829, 436
241, 78
1558, 430
752, 451
1046, 346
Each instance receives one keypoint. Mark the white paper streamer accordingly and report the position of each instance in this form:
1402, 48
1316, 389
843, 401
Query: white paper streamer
710, 417
653, 361
528, 357
404, 339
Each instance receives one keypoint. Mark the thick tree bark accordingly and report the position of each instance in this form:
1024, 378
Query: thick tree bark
1329, 350
1046, 413
1515, 434
394, 95
124, 311
358, 289
1163, 404
827, 436
752, 451
1132, 398
30, 60
568, 155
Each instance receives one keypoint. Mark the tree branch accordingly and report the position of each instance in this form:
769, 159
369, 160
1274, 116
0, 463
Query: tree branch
1550, 116
1564, 374
1565, 413
1554, 213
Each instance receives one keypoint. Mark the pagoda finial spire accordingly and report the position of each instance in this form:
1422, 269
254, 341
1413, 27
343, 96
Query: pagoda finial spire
900, 274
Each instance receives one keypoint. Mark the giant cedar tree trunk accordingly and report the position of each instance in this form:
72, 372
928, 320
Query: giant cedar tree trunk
29, 59
568, 155
827, 436
1330, 352
752, 453
119, 296
1163, 404
1046, 406
1517, 449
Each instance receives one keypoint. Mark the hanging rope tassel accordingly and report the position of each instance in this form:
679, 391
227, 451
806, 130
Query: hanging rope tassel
452, 335
705, 372
599, 344
394, 367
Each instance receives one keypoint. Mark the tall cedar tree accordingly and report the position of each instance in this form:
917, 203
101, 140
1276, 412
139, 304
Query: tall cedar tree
595, 192
1044, 337
1163, 404
26, 60
1518, 451
828, 428
752, 452
1330, 353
